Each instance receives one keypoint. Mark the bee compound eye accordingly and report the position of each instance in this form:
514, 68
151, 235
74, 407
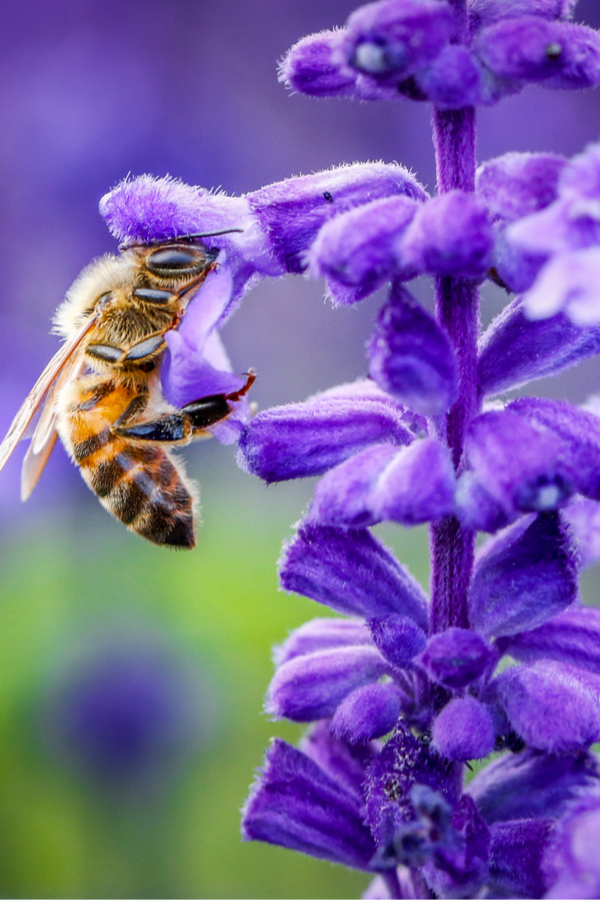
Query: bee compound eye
179, 260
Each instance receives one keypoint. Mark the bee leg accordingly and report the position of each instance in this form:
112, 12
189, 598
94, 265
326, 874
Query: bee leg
178, 427
181, 426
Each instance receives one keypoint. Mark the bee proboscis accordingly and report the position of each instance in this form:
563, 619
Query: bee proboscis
101, 392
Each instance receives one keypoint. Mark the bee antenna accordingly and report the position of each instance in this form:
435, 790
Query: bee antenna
203, 234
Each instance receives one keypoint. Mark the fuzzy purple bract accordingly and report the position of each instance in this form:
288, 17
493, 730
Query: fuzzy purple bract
405, 689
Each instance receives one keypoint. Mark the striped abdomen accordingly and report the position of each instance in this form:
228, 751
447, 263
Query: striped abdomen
137, 482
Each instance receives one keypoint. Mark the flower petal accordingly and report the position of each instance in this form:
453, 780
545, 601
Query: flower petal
311, 686
571, 863
411, 357
356, 249
392, 39
523, 578
579, 432
456, 657
531, 783
464, 730
449, 235
345, 763
291, 212
549, 707
368, 712
322, 634
410, 486
518, 184
351, 572
398, 638
454, 79
522, 466
584, 518
514, 350
516, 852
295, 804
572, 637
569, 283
310, 67
309, 438
534, 49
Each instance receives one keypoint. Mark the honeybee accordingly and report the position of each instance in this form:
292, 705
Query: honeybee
101, 391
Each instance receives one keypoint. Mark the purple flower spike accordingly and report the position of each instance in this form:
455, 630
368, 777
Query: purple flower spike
322, 634
456, 657
515, 350
292, 212
351, 572
355, 251
531, 784
449, 235
530, 48
411, 357
295, 804
310, 687
524, 577
389, 40
571, 863
368, 712
398, 638
519, 184
536, 700
464, 730
410, 486
516, 854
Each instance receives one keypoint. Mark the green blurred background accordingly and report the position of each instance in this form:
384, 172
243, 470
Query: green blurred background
74, 583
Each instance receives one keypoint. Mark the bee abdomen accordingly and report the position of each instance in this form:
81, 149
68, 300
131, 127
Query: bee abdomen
143, 489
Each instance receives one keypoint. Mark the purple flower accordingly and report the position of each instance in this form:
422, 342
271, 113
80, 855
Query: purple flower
454, 57
418, 442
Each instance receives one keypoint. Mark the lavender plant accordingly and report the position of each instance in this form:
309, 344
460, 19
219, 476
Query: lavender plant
404, 691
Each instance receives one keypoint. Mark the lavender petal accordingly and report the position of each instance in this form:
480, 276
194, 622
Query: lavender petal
322, 634
516, 852
573, 637
567, 283
449, 235
571, 860
368, 712
531, 783
454, 79
345, 763
550, 708
311, 686
464, 730
291, 212
515, 350
523, 578
519, 184
295, 804
411, 357
410, 486
390, 40
309, 438
456, 657
356, 250
397, 638
351, 572
583, 516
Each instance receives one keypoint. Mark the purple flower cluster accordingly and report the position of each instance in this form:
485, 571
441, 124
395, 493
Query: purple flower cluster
404, 690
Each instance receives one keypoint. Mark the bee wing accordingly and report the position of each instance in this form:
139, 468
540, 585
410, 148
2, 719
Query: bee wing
40, 389
34, 464
45, 434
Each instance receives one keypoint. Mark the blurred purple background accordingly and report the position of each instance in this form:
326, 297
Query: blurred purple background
90, 92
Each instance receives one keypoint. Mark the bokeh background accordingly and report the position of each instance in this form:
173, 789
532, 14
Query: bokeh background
131, 679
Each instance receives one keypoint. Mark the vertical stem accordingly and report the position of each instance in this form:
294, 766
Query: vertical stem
457, 306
